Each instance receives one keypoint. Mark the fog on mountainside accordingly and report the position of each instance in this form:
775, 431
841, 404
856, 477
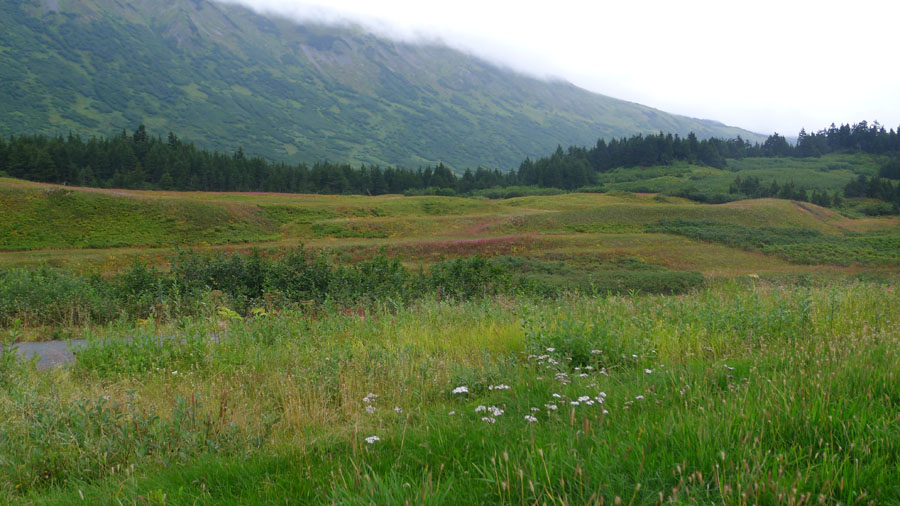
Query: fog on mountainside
227, 77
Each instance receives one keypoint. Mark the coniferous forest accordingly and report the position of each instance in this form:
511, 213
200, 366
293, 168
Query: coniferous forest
142, 161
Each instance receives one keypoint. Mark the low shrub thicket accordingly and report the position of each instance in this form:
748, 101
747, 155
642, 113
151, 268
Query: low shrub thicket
196, 284
797, 245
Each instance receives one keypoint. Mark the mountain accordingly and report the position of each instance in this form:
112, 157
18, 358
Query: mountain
225, 76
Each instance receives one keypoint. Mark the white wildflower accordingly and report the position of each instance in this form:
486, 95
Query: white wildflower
480, 408
488, 419
498, 387
371, 439
551, 407
639, 397
575, 403
531, 418
551, 350
452, 413
370, 409
557, 396
461, 390
596, 352
584, 398
398, 409
495, 411
370, 397
648, 371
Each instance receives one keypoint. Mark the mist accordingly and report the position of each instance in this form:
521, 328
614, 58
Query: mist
765, 66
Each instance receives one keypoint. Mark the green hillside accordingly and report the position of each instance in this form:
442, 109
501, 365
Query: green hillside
227, 77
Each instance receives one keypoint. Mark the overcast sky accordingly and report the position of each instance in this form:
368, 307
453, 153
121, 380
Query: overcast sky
764, 65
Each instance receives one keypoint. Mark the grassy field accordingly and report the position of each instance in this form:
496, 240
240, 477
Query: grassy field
105, 230
746, 393
564, 350
829, 172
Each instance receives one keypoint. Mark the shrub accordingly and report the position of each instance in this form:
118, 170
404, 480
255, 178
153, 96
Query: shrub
466, 278
57, 297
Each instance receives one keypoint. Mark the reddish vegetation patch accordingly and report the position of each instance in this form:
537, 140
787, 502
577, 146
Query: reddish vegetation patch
482, 226
429, 251
487, 246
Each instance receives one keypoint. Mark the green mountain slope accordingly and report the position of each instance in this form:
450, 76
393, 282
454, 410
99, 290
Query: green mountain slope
226, 77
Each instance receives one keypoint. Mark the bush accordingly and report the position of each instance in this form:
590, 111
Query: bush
56, 297
466, 278
890, 170
509, 192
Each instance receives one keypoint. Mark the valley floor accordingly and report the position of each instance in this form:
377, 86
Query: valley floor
566, 350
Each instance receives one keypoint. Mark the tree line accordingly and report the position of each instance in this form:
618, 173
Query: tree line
751, 187
874, 187
142, 161
575, 167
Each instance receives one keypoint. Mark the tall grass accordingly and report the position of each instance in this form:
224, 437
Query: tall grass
745, 393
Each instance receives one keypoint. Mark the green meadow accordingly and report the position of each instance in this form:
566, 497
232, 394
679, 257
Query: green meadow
828, 172
742, 393
582, 348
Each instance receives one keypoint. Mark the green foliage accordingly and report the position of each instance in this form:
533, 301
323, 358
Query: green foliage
94, 438
676, 403
736, 235
798, 245
511, 192
891, 169
622, 277
571, 344
233, 285
44, 295
140, 354
465, 278
8, 359
275, 86
59, 218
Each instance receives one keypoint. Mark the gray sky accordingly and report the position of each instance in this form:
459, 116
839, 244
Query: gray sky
765, 65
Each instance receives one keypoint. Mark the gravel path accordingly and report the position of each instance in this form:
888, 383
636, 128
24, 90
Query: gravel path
59, 353
50, 353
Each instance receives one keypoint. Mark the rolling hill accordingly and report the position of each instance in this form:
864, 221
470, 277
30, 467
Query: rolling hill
225, 77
